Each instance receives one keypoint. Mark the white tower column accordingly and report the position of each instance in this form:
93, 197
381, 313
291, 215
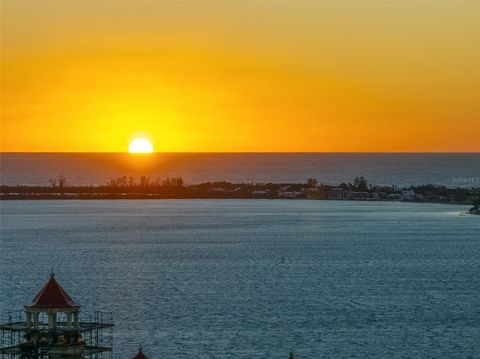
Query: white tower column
69, 320
29, 319
35, 320
52, 320
75, 319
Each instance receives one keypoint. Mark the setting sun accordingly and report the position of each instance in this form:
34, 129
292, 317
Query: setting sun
324, 76
140, 145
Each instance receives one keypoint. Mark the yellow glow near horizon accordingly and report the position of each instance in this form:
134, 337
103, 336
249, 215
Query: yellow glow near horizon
239, 76
140, 145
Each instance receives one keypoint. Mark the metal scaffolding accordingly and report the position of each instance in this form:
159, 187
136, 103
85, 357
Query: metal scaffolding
19, 340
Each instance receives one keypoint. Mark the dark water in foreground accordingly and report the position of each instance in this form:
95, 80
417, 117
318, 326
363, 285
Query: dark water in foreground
205, 279
330, 168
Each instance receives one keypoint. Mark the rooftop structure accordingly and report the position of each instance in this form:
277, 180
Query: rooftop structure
140, 355
53, 296
52, 327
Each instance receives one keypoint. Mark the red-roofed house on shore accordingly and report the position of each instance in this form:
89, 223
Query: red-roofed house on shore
50, 328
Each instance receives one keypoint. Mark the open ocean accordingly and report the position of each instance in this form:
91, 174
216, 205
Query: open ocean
253, 278
402, 169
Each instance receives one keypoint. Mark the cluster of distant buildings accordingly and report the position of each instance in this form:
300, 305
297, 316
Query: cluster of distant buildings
358, 191
175, 188
327, 192
338, 193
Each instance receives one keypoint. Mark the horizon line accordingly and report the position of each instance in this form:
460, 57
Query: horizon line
240, 152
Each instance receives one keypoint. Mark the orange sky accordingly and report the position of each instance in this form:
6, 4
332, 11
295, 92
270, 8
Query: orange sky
240, 76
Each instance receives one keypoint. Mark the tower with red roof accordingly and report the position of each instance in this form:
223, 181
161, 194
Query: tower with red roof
52, 300
50, 328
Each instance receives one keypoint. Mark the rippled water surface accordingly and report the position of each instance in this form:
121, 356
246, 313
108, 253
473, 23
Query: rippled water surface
254, 278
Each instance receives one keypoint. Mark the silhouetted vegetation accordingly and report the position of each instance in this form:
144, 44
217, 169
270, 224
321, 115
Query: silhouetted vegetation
58, 182
476, 201
360, 184
145, 187
312, 182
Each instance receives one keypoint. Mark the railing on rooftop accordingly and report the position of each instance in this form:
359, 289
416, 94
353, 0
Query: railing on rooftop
96, 329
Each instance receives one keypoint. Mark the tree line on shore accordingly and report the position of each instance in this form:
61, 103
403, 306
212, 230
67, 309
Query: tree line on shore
175, 187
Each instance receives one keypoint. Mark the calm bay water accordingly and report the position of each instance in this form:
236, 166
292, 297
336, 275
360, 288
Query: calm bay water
402, 169
254, 278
